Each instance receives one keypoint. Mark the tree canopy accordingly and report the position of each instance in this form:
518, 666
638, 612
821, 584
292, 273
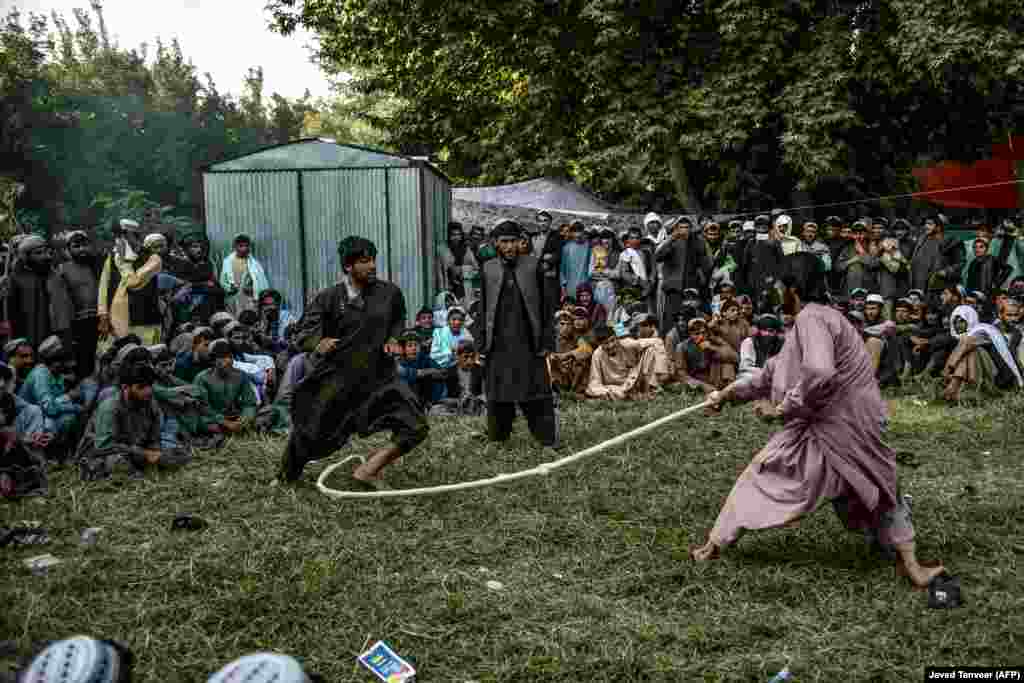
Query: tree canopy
726, 104
93, 129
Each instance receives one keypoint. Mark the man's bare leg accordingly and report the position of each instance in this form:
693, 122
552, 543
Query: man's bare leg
378, 460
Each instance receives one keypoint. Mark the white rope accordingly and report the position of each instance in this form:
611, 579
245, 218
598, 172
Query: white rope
541, 469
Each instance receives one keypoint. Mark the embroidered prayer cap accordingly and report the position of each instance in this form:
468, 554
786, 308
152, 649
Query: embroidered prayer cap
651, 218
834, 221
12, 346
52, 348
859, 291
748, 226
581, 312
783, 221
154, 240
509, 228
220, 349
543, 214
875, 299
880, 220
859, 226
723, 284
916, 292
128, 225
762, 220
262, 667
30, 243
81, 659
220, 319
456, 312
691, 293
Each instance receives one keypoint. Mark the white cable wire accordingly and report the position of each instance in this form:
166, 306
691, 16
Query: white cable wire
541, 469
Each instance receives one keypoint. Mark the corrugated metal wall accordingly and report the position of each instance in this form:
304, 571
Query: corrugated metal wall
339, 204
265, 206
409, 251
404, 211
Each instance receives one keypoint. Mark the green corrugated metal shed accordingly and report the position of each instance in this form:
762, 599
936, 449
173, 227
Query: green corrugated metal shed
299, 199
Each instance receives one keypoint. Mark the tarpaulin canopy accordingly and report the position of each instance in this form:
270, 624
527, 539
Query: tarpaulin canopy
554, 194
955, 185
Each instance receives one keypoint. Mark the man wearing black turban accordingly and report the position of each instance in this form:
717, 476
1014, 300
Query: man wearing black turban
354, 386
515, 338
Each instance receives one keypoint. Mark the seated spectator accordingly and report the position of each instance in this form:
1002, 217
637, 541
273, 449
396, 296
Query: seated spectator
645, 326
701, 362
982, 357
45, 387
729, 329
21, 357
416, 369
259, 368
765, 341
858, 299
443, 349
274, 319
219, 321
569, 366
680, 330
470, 401
623, 368
229, 395
22, 471
188, 364
127, 426
596, 313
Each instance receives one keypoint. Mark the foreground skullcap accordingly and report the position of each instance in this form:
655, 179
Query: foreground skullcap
262, 667
154, 241
220, 319
128, 224
51, 347
651, 218
30, 243
783, 221
79, 660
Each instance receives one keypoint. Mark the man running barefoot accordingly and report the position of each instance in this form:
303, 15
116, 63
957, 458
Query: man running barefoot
823, 385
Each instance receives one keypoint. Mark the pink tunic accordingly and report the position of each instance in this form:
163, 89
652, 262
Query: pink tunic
831, 445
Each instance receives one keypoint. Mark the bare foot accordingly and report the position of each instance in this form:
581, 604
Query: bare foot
919, 575
363, 473
706, 552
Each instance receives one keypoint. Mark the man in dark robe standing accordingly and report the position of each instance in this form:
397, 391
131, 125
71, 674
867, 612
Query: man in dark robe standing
354, 386
29, 298
515, 338
74, 288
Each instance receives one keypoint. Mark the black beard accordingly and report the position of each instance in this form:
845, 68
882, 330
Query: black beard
790, 305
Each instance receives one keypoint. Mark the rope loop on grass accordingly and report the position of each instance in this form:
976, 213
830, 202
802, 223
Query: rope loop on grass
543, 468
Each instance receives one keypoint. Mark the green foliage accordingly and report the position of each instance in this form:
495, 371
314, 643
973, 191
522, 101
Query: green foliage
727, 103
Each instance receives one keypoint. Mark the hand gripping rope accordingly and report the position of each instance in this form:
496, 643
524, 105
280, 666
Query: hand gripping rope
541, 469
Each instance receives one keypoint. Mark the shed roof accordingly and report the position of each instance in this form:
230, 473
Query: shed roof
554, 194
311, 154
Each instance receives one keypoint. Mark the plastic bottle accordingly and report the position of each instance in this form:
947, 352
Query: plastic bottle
782, 676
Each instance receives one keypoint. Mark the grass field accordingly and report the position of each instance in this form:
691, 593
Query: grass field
593, 561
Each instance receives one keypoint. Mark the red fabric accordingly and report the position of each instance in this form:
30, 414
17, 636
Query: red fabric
947, 175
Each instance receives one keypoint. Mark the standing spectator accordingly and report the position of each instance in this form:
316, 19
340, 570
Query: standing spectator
74, 291
858, 261
21, 357
242, 276
809, 242
516, 340
723, 265
937, 260
458, 266
762, 263
29, 298
575, 264
893, 273
684, 264
129, 299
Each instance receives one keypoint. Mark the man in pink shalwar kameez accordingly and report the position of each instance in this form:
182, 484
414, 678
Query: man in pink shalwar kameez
830, 449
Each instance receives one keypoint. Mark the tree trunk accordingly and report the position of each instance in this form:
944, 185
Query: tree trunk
687, 194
